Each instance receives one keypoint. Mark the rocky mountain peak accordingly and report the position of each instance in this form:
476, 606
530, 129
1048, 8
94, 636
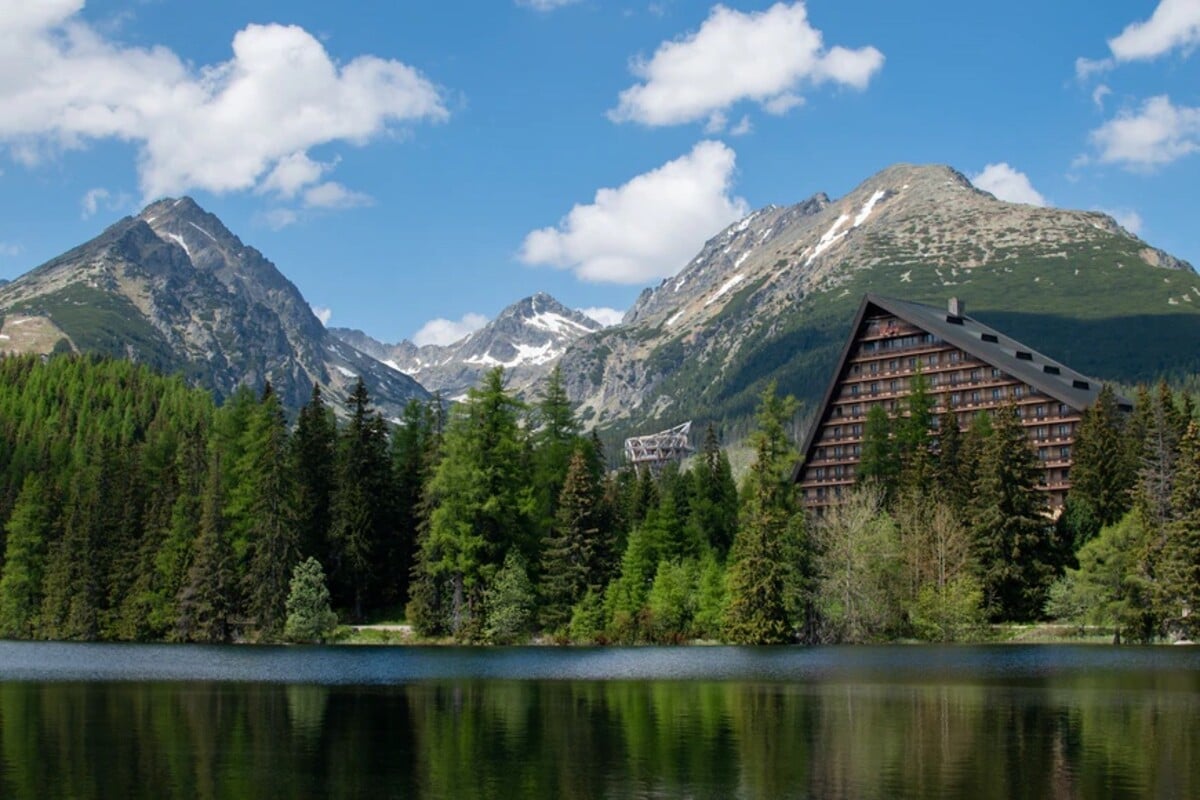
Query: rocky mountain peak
174, 287
527, 338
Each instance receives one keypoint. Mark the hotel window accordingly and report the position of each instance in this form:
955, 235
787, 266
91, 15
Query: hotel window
1018, 392
955, 400
874, 387
1064, 431
1063, 411
893, 365
996, 373
1041, 412
1043, 454
874, 367
912, 363
976, 375
893, 386
856, 369
856, 410
837, 451
996, 394
857, 450
854, 390
837, 432
1040, 433
975, 398
1064, 452
856, 430
954, 355
932, 359
820, 473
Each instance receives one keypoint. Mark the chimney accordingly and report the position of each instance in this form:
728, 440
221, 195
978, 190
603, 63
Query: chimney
957, 307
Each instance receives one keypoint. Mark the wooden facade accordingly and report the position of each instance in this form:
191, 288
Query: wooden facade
969, 367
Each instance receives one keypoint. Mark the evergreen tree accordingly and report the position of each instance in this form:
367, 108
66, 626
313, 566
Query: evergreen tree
483, 506
768, 564
913, 439
1102, 476
413, 458
510, 602
572, 555
71, 592
949, 475
262, 503
28, 530
207, 600
555, 438
311, 454
1178, 594
1015, 549
359, 508
879, 462
714, 508
309, 617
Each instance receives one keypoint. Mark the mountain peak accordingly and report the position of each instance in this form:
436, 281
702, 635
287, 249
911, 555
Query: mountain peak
526, 338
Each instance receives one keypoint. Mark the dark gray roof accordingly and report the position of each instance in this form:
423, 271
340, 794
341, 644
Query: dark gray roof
968, 334
1067, 386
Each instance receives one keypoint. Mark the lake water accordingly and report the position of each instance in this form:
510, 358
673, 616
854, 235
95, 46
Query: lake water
164, 721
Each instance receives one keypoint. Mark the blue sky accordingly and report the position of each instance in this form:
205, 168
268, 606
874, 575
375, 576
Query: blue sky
415, 163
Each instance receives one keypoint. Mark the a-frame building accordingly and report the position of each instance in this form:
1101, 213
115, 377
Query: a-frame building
969, 368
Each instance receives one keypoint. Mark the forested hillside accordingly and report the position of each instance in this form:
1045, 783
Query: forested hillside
133, 508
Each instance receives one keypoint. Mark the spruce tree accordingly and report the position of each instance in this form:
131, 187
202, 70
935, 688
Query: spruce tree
768, 564
311, 454
509, 602
1102, 475
1178, 590
555, 438
208, 598
309, 617
1014, 545
714, 508
359, 510
28, 530
879, 463
482, 503
572, 554
263, 502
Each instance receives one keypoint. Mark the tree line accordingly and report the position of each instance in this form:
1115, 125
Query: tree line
133, 508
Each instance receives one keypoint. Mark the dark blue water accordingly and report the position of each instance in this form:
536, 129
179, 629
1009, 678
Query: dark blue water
158, 721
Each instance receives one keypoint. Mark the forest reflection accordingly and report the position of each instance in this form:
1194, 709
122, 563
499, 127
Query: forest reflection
569, 739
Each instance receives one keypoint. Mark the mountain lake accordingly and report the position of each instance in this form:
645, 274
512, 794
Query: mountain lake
1004, 721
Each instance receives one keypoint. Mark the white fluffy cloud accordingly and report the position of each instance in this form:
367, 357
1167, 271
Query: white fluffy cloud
1156, 134
447, 331
1008, 184
1174, 24
605, 316
333, 195
323, 313
648, 227
9, 249
240, 124
764, 57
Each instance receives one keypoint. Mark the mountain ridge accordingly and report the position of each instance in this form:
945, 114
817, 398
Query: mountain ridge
770, 296
526, 338
172, 286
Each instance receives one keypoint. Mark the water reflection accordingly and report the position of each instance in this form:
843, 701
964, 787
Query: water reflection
1079, 734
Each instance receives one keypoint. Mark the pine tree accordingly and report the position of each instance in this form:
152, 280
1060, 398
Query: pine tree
1015, 549
714, 507
949, 475
359, 509
28, 530
413, 459
509, 602
768, 565
879, 463
309, 617
483, 505
555, 438
1102, 476
207, 600
1178, 590
312, 449
913, 440
263, 501
571, 556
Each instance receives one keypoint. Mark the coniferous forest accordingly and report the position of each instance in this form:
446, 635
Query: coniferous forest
133, 508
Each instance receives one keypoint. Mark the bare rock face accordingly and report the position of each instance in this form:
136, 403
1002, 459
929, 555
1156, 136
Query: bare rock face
175, 288
770, 296
527, 339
